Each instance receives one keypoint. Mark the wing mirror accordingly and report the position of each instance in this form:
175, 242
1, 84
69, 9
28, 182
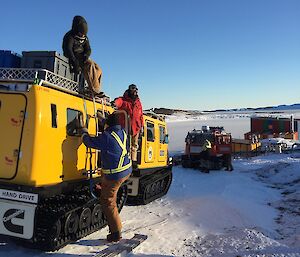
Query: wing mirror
166, 140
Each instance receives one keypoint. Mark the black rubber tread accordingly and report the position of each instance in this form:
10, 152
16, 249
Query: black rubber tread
186, 164
215, 163
55, 210
147, 183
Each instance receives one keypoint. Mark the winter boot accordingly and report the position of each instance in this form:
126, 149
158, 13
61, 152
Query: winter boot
114, 237
134, 165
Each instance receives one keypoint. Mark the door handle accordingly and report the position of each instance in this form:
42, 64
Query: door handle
16, 153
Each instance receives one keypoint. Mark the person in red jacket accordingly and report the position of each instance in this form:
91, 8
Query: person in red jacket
130, 102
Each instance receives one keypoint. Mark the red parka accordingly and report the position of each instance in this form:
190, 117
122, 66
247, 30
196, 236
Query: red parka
134, 109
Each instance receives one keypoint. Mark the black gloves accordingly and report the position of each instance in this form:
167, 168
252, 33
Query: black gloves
83, 131
85, 58
112, 103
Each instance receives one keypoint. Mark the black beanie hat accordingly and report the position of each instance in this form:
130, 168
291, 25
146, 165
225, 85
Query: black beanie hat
132, 86
112, 120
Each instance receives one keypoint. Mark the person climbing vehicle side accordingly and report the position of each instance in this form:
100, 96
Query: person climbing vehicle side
130, 102
115, 168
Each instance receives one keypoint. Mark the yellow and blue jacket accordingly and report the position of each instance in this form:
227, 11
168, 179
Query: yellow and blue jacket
113, 142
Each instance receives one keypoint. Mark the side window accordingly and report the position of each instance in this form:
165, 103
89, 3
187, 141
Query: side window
53, 116
150, 132
74, 122
162, 134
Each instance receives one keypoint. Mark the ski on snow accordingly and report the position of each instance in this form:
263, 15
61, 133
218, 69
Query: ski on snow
123, 247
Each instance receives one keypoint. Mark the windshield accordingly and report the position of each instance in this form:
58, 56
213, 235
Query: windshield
199, 138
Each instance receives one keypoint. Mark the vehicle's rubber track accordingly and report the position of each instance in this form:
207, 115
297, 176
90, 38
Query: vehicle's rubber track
66, 218
215, 163
151, 187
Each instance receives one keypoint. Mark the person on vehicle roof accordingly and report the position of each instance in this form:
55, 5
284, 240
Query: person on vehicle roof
130, 102
76, 45
116, 169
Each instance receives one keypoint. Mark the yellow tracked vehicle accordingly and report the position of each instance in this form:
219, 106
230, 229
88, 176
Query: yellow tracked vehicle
47, 174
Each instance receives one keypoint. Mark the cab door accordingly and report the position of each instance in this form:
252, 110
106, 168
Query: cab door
150, 142
12, 112
163, 144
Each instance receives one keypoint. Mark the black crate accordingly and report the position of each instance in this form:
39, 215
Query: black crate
9, 59
49, 60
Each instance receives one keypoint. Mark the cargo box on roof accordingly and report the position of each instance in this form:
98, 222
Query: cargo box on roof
9, 59
49, 60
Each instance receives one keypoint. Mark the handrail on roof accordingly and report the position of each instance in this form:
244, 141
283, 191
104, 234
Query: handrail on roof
154, 115
40, 76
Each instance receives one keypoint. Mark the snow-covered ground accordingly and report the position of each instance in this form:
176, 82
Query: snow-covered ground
252, 211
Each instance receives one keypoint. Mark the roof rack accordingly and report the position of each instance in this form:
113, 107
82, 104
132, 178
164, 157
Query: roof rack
154, 115
46, 78
38, 76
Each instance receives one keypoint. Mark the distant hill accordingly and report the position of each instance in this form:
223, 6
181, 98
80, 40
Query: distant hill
167, 111
288, 107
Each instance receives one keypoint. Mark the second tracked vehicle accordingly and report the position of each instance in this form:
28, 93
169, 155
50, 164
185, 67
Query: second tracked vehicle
214, 158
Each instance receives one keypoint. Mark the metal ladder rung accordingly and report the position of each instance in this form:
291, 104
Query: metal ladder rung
92, 152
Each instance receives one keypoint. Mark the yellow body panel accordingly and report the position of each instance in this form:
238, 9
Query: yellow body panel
154, 153
46, 155
11, 120
244, 145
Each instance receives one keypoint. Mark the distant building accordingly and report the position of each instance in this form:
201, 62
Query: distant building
268, 127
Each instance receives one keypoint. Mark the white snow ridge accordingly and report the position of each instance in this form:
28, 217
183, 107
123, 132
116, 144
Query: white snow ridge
236, 242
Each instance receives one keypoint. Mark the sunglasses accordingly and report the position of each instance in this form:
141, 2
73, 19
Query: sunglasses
133, 88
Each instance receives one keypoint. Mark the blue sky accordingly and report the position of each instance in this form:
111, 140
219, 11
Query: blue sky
189, 54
